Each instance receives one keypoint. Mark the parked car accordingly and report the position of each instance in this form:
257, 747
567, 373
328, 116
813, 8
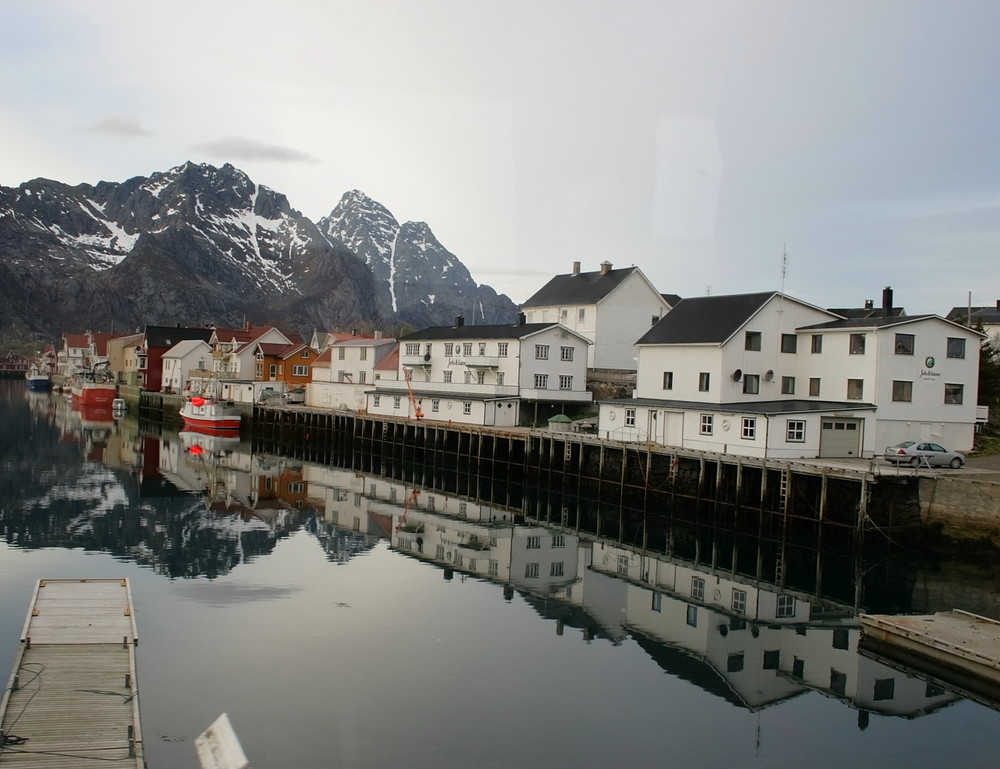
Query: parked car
924, 453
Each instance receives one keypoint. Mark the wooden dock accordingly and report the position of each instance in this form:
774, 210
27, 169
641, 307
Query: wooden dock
72, 696
956, 647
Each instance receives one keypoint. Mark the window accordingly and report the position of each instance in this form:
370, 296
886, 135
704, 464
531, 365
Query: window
435, 404
902, 390
375, 400
556, 570
789, 343
541, 381
956, 347
480, 377
855, 389
564, 315
795, 431
749, 432
447, 376
565, 382
502, 349
500, 376
449, 348
482, 348
814, 386
467, 376
466, 407
953, 393
531, 570
817, 343
751, 384
786, 606
362, 377
534, 542
668, 380
396, 401
739, 601
630, 417
300, 371
341, 353
258, 369
904, 344
412, 348
341, 375
427, 349
541, 352
565, 353
582, 314
363, 353
467, 348
707, 421
704, 378
752, 340
692, 616
857, 344
698, 588
788, 385
272, 372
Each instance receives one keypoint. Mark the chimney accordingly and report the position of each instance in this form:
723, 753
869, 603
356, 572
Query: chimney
521, 319
998, 304
887, 301
869, 304
378, 334
605, 267
576, 268
459, 321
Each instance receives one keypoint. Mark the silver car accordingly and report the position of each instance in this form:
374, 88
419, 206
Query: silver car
923, 454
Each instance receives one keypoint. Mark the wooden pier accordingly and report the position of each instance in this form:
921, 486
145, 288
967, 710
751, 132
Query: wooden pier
72, 696
956, 647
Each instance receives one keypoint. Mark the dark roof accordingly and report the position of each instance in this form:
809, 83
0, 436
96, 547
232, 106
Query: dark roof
989, 315
705, 319
671, 299
167, 336
579, 288
877, 322
767, 408
865, 312
478, 332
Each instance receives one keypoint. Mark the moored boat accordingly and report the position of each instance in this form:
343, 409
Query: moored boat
94, 387
209, 414
38, 381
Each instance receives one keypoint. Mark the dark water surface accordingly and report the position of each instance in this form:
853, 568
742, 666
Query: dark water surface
341, 621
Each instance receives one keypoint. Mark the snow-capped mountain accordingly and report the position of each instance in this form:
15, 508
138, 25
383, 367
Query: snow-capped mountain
200, 244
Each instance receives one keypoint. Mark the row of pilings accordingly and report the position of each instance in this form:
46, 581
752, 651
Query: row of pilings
502, 467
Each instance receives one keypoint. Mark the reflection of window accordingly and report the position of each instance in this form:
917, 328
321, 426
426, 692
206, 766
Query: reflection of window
885, 688
953, 393
789, 343
623, 565
838, 682
795, 431
534, 542
531, 570
956, 347
558, 540
557, 569
698, 588
739, 601
692, 616
772, 659
786, 606
841, 638
857, 345
902, 391
734, 664
752, 340
706, 424
904, 344
751, 384
855, 389
788, 385
657, 602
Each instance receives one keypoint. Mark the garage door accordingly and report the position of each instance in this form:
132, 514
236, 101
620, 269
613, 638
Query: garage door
840, 437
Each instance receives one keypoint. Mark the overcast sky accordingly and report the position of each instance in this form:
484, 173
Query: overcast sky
699, 140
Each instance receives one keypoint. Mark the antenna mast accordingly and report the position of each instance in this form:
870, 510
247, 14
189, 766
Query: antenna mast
784, 265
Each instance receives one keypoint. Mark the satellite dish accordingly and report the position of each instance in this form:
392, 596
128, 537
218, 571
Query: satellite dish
769, 375
737, 375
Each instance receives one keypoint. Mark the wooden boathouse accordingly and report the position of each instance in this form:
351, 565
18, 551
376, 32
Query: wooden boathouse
72, 697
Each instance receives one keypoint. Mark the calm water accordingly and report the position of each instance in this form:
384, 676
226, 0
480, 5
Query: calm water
314, 606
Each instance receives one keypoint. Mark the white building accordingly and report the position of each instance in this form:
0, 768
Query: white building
611, 308
486, 375
189, 355
768, 375
348, 368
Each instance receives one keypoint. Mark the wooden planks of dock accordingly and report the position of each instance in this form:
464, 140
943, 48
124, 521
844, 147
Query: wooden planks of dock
72, 696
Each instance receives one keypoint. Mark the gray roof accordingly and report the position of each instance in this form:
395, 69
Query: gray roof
579, 288
988, 315
865, 312
765, 408
479, 332
705, 319
848, 323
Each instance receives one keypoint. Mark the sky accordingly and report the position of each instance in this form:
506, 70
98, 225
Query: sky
825, 148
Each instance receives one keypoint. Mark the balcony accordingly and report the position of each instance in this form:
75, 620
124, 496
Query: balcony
482, 361
421, 359
445, 389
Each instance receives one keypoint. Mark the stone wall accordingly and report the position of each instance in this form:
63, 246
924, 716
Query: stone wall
962, 509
